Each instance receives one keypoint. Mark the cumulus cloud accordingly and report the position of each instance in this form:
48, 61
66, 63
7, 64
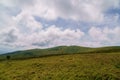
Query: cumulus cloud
97, 34
83, 10
50, 36
80, 10
105, 35
10, 37
67, 9
19, 28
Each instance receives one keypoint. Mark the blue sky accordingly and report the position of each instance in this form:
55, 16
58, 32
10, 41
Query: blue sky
28, 24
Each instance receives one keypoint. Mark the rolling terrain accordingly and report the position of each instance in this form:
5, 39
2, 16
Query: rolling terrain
63, 67
60, 50
62, 63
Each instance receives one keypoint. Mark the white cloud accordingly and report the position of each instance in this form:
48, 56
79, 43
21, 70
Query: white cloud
97, 34
66, 9
50, 36
31, 34
19, 28
27, 21
105, 35
79, 10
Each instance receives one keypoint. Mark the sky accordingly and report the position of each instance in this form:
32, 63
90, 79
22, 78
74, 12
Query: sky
28, 24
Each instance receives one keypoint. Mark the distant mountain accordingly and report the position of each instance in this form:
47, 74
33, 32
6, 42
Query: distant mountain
60, 50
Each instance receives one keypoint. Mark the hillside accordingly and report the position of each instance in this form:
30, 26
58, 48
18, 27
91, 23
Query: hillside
73, 63
63, 67
60, 50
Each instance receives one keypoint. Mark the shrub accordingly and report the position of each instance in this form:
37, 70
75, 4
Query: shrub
8, 57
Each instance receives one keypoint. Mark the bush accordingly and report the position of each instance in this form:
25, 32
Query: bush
8, 57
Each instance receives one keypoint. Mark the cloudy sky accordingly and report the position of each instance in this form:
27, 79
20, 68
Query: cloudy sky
26, 24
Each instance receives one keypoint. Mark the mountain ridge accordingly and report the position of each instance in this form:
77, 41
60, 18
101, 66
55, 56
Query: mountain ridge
59, 50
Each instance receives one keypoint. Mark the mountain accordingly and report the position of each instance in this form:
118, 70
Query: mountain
60, 50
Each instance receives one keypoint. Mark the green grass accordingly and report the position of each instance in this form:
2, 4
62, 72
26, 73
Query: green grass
58, 51
97, 66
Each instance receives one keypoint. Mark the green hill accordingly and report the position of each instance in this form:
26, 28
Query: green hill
60, 50
63, 67
73, 63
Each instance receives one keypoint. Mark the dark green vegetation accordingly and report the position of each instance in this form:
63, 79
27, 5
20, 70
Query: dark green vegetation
73, 63
58, 51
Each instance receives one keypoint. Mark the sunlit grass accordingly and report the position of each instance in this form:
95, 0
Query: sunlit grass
63, 67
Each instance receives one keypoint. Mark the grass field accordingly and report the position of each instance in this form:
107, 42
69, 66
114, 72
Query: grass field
102, 66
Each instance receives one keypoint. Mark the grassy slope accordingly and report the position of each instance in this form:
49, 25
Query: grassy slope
63, 67
58, 50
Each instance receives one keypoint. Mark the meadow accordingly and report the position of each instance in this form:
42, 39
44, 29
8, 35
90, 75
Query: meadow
96, 66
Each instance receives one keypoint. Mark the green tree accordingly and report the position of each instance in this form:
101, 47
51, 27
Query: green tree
8, 57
